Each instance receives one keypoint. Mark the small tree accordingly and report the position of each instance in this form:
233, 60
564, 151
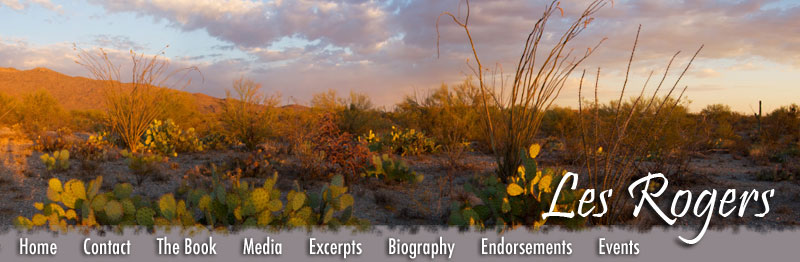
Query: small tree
131, 107
247, 114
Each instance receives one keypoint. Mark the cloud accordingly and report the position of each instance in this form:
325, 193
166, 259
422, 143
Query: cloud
358, 25
363, 28
24, 55
117, 42
13, 4
745, 66
388, 48
706, 73
20, 5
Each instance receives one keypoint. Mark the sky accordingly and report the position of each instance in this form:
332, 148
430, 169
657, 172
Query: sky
388, 49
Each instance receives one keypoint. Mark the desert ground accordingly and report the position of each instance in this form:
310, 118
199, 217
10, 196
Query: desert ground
24, 179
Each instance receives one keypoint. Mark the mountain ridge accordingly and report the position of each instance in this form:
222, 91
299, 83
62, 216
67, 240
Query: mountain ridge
73, 92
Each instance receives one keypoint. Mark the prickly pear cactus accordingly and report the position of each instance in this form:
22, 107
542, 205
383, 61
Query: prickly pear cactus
113, 210
58, 161
144, 216
222, 205
165, 138
74, 204
410, 142
385, 168
520, 202
332, 200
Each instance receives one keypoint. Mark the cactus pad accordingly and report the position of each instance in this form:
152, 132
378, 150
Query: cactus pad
167, 206
113, 210
144, 216
259, 198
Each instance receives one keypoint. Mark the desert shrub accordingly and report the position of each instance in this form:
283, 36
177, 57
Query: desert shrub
359, 115
144, 165
73, 205
560, 122
296, 129
53, 141
58, 161
355, 114
388, 169
340, 151
96, 148
132, 106
669, 151
184, 111
778, 173
784, 153
246, 114
87, 120
448, 115
165, 138
559, 125
519, 202
310, 162
328, 101
718, 126
39, 112
296, 125
782, 125
780, 134
259, 163
7, 105
216, 141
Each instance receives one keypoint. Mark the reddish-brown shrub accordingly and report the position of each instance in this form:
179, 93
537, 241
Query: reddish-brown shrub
342, 153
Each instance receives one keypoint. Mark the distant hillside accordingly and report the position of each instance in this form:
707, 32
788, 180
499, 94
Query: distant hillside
73, 93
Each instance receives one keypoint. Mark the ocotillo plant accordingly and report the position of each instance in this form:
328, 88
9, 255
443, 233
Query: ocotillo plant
536, 84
